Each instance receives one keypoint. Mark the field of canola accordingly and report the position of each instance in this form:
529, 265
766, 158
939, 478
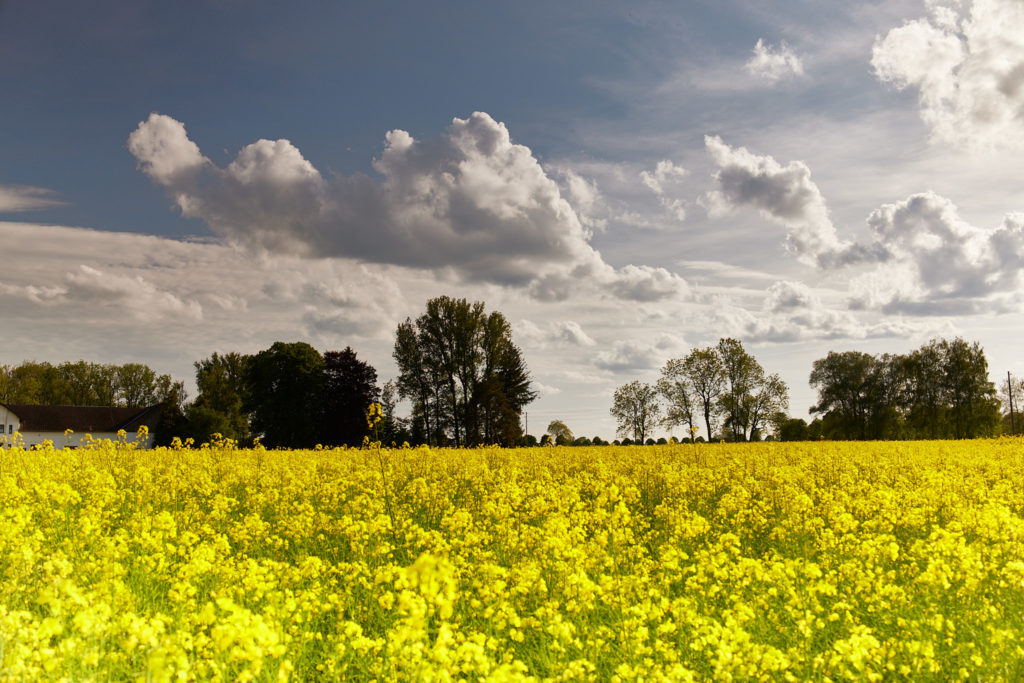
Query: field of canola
749, 561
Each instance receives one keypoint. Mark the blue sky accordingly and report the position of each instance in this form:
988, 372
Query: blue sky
625, 181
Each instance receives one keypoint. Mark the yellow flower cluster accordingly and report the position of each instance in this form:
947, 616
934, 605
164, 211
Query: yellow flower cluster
765, 562
373, 415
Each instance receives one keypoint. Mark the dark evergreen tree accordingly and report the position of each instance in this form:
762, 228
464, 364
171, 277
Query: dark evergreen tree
350, 386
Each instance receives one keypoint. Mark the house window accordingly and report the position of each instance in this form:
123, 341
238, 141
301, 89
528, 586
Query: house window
10, 429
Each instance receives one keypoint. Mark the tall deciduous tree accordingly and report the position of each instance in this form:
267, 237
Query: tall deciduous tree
636, 409
219, 405
136, 385
679, 399
704, 369
284, 387
722, 382
81, 383
974, 407
561, 434
768, 397
466, 378
350, 386
1011, 392
923, 396
741, 374
847, 392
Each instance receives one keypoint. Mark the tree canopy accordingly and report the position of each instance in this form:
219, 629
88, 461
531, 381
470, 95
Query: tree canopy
221, 380
465, 377
941, 390
82, 383
561, 434
350, 386
284, 386
636, 409
725, 385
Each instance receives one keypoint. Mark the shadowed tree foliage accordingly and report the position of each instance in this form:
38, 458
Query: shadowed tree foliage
939, 391
284, 387
792, 429
350, 386
219, 406
467, 380
846, 392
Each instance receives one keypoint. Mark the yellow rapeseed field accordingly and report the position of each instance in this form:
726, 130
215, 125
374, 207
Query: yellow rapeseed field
860, 561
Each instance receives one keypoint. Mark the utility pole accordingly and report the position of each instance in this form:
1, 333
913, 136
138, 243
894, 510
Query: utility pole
1009, 392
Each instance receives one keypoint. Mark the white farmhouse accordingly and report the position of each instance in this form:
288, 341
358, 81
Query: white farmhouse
32, 425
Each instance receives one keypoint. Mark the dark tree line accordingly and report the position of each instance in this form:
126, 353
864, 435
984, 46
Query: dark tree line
465, 377
940, 391
288, 395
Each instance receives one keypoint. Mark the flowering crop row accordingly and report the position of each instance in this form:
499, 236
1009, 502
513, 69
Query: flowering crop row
748, 561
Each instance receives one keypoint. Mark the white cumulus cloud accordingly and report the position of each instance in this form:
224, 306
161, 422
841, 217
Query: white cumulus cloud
792, 311
941, 264
663, 182
629, 356
785, 195
567, 333
635, 355
967, 64
471, 201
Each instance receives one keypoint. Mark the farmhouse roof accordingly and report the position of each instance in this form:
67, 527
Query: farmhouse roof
81, 418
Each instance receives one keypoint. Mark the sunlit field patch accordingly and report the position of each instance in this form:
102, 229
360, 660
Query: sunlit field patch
749, 561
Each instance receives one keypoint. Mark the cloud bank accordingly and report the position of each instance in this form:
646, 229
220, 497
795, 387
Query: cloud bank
793, 312
470, 201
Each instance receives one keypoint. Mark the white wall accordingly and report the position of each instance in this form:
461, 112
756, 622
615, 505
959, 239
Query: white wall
10, 423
